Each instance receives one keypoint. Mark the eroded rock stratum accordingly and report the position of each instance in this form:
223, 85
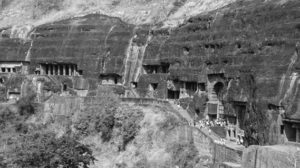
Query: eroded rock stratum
240, 63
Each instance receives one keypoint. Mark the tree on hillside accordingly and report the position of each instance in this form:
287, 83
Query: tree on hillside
98, 117
44, 150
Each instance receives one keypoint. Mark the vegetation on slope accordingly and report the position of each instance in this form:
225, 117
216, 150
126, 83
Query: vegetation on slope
105, 132
33, 145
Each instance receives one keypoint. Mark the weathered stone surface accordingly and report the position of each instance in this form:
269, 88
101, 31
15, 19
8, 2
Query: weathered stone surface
96, 43
278, 156
253, 44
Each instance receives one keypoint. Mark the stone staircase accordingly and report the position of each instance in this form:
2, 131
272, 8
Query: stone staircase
213, 98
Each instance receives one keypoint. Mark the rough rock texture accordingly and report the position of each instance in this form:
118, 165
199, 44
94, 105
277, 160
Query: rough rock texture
171, 12
252, 47
96, 43
278, 156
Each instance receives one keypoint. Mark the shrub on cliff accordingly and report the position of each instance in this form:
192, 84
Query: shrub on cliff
50, 86
183, 155
27, 106
170, 122
2, 162
127, 122
14, 116
44, 150
100, 117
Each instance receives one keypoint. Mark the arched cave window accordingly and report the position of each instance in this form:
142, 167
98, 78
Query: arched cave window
65, 87
218, 87
134, 84
281, 129
154, 85
116, 80
80, 72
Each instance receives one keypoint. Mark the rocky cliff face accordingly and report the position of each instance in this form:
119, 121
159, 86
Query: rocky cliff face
272, 156
139, 12
251, 48
255, 46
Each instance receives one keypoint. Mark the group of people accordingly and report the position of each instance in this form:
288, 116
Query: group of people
207, 123
218, 122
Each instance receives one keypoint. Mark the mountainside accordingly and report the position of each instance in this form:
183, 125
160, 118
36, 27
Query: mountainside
231, 59
17, 12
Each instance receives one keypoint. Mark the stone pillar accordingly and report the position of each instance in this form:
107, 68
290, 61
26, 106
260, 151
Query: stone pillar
218, 111
48, 69
70, 70
42, 70
64, 70
54, 69
297, 134
58, 70
73, 70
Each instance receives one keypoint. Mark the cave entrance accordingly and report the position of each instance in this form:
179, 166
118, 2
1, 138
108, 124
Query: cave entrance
173, 94
58, 69
154, 86
201, 86
218, 87
151, 69
80, 72
10, 66
37, 72
165, 67
65, 87
14, 95
154, 69
292, 130
191, 86
134, 84
240, 111
110, 79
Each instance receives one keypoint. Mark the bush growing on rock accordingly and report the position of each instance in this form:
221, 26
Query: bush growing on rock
14, 116
127, 123
27, 106
184, 155
100, 117
44, 150
169, 123
50, 86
